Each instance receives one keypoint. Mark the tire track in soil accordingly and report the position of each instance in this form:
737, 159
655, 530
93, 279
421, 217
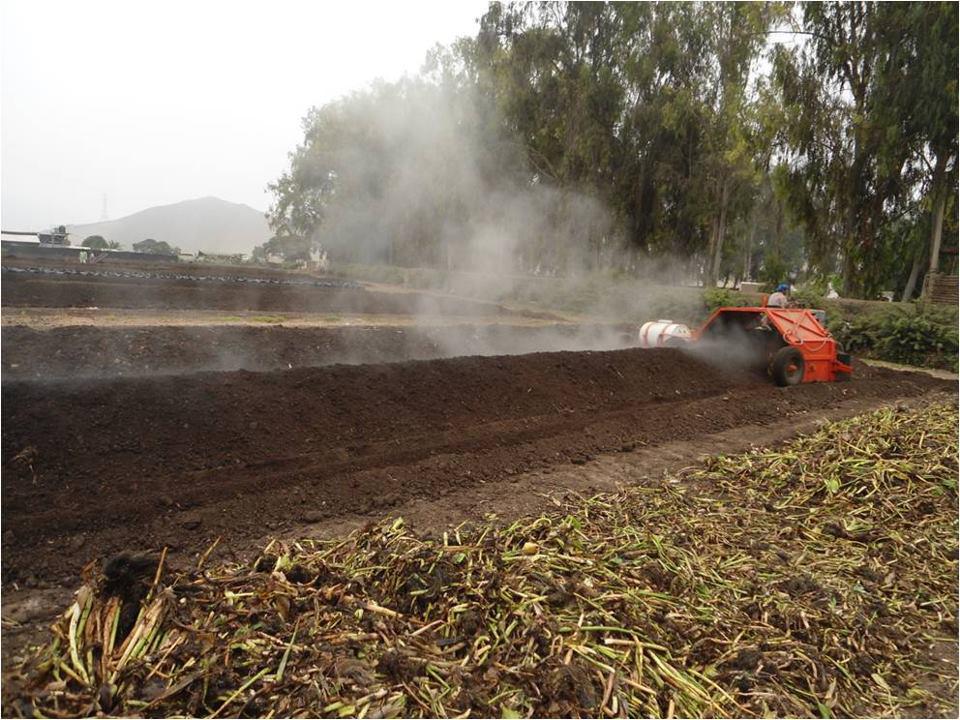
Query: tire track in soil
136, 464
537, 490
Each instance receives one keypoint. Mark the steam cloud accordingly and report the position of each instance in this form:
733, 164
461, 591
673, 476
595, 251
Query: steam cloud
424, 176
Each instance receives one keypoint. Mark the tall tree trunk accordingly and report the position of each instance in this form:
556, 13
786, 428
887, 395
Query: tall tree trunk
850, 287
706, 267
911, 285
748, 255
720, 231
939, 207
852, 284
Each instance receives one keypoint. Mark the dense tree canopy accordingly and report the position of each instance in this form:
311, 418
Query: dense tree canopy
858, 133
155, 246
717, 140
94, 242
98, 242
287, 247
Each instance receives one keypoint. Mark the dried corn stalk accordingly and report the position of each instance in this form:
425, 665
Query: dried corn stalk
809, 580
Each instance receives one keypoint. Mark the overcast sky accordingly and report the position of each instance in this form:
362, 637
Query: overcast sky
153, 103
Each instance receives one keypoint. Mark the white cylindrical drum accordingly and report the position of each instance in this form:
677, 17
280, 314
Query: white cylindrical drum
657, 333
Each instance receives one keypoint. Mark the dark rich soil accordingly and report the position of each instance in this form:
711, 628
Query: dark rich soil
22, 289
94, 467
180, 268
90, 351
213, 275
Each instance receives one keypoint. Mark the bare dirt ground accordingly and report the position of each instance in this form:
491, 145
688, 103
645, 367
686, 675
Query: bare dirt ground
113, 441
155, 290
179, 268
49, 318
78, 351
94, 467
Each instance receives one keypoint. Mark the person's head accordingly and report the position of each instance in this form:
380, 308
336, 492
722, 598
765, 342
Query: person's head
783, 288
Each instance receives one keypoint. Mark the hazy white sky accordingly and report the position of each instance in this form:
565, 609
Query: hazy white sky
156, 102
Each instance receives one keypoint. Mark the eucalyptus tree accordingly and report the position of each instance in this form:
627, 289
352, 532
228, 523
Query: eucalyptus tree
737, 35
920, 100
854, 165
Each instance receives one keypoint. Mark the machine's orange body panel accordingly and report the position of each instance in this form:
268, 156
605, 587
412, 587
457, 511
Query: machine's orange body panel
799, 328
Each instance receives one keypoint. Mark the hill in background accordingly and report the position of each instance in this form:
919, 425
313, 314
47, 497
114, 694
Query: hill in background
208, 224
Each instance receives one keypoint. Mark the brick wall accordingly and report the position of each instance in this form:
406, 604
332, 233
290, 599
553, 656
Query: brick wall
940, 288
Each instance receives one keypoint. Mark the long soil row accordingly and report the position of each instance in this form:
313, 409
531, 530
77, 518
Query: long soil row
99, 466
89, 351
21, 289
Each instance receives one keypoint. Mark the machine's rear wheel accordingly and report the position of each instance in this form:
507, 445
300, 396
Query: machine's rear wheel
845, 358
787, 367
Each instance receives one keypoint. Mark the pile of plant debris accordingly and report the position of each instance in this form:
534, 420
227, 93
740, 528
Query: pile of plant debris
810, 580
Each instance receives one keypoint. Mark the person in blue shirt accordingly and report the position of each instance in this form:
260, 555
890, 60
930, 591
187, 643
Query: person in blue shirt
780, 297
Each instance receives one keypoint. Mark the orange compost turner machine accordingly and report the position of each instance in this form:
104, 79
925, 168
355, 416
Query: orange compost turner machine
791, 344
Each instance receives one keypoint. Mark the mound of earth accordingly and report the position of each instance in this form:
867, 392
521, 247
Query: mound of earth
152, 290
115, 464
85, 351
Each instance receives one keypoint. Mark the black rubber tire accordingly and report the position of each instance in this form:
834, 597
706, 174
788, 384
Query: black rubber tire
845, 358
787, 367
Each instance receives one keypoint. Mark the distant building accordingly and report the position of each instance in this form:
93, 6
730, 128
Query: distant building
57, 236
33, 250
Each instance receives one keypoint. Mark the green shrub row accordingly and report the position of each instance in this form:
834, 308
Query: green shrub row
715, 298
924, 337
